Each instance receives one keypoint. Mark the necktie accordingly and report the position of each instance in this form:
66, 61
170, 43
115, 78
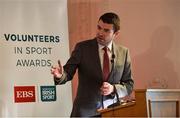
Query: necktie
105, 64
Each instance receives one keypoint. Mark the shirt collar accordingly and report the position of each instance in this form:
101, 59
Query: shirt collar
109, 46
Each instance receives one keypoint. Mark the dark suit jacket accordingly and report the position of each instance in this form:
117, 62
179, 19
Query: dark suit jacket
85, 58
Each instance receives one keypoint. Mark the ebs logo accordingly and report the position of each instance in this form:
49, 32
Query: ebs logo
24, 94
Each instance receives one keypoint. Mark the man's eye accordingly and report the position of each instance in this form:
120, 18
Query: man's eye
106, 30
98, 27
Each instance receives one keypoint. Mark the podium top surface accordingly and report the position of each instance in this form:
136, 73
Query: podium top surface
117, 107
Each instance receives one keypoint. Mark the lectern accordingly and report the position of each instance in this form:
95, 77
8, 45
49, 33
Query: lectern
135, 108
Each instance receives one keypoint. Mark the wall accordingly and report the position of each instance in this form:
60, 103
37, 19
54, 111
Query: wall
149, 28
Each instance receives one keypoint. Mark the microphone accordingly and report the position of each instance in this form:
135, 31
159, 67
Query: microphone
113, 57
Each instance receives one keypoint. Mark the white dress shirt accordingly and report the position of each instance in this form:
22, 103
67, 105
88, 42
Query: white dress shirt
101, 53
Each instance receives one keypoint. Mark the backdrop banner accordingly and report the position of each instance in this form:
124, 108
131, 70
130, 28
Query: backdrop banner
33, 36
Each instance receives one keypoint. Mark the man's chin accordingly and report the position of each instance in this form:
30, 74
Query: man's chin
101, 42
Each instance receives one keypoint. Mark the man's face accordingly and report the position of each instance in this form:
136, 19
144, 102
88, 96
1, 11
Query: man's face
105, 33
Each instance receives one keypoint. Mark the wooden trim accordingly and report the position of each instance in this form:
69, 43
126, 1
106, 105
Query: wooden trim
140, 90
177, 108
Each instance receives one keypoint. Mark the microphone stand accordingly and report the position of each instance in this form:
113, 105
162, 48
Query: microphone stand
118, 101
115, 90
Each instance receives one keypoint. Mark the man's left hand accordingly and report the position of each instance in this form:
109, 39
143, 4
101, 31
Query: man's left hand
106, 88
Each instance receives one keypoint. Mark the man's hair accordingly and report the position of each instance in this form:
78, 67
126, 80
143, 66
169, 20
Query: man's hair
111, 18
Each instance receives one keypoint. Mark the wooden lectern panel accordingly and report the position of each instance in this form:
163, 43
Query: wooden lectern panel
130, 109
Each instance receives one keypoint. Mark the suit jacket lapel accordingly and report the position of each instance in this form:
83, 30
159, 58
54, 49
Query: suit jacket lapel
114, 49
96, 58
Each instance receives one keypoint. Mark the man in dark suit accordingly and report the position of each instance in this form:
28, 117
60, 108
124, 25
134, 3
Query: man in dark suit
101, 70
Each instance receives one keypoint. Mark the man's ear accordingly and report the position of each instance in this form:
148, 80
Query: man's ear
116, 33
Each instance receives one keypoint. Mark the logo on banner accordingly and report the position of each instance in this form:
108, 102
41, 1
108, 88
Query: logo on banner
24, 94
48, 93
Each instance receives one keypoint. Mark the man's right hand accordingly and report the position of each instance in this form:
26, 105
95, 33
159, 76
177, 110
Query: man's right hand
57, 71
